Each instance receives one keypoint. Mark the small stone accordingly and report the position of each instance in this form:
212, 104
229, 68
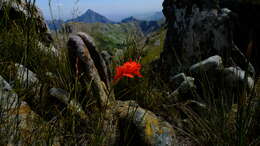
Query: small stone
26, 77
72, 104
234, 76
177, 80
48, 49
8, 98
185, 87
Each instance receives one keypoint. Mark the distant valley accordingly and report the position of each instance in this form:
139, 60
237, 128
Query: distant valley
110, 35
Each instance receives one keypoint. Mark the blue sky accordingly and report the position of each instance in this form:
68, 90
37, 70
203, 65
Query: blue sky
113, 9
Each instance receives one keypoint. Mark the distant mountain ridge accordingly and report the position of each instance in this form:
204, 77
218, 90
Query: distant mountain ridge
145, 26
129, 19
154, 16
91, 16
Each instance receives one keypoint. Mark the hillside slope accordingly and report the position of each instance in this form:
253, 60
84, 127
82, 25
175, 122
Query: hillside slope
108, 36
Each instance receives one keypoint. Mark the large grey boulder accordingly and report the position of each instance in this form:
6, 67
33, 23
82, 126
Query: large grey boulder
97, 57
89, 66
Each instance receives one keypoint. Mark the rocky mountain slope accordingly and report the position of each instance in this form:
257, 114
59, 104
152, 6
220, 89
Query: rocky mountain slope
145, 26
154, 16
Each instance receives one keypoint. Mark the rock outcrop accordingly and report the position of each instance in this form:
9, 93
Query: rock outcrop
24, 21
199, 29
81, 51
22, 13
17, 118
152, 130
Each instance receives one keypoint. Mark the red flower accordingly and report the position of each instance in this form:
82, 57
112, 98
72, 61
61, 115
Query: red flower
128, 69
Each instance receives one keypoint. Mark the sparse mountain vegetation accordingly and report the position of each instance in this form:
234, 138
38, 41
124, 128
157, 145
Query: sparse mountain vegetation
186, 80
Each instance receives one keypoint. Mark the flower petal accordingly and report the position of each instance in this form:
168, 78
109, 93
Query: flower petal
128, 75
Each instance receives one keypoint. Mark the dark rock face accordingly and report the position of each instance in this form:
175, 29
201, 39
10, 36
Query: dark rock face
247, 28
199, 29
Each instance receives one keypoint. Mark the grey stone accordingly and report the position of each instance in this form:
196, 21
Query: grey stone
26, 77
210, 64
50, 75
186, 86
82, 62
97, 58
48, 49
86, 60
18, 116
8, 98
72, 104
177, 80
234, 77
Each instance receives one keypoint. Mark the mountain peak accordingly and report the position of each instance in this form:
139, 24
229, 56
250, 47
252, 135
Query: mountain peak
91, 16
90, 11
129, 19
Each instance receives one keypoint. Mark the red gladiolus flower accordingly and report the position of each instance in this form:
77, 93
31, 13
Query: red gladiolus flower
128, 69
